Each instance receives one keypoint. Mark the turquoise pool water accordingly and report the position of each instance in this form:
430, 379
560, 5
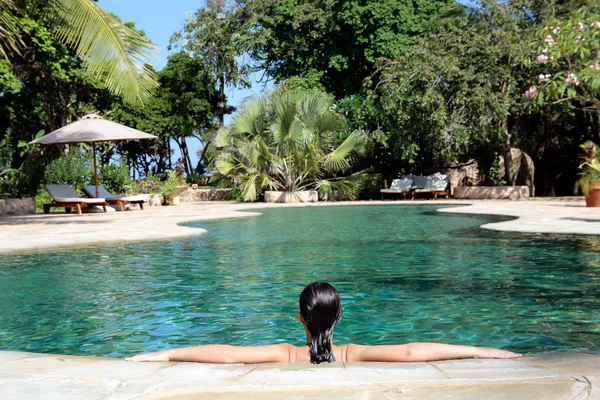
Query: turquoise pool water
405, 273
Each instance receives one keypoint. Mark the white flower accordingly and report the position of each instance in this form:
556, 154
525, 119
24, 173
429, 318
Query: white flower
542, 58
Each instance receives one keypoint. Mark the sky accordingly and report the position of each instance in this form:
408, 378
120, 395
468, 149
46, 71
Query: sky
160, 19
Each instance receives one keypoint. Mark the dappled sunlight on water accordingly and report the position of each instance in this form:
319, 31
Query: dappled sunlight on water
404, 273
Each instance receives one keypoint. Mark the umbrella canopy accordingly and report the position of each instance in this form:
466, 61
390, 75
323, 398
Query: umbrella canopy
89, 129
92, 128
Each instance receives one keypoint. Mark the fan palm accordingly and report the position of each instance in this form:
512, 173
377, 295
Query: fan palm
109, 48
290, 141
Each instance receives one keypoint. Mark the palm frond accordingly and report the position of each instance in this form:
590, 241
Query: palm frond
10, 38
349, 186
109, 48
339, 159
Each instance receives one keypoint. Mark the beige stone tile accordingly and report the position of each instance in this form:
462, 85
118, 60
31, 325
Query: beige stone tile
16, 355
492, 369
193, 372
116, 369
43, 364
50, 390
571, 363
392, 372
555, 389
301, 374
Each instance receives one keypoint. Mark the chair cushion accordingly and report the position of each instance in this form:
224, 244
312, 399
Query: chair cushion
434, 183
419, 182
403, 184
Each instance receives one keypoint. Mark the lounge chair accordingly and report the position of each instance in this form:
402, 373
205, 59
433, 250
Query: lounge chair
117, 199
436, 184
63, 196
401, 186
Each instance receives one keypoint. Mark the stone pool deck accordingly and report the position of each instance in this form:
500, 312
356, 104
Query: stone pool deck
542, 376
539, 376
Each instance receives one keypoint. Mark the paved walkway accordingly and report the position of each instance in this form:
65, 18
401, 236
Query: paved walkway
541, 376
544, 376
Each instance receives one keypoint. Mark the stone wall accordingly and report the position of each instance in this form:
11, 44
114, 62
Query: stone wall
22, 206
306, 196
204, 194
492, 192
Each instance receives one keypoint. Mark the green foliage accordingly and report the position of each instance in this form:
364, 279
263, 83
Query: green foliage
235, 195
42, 197
150, 185
73, 168
115, 177
170, 185
337, 41
111, 50
290, 141
590, 166
201, 180
567, 57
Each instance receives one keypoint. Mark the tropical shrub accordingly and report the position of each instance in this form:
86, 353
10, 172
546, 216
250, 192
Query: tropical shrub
115, 177
169, 186
72, 168
590, 166
290, 140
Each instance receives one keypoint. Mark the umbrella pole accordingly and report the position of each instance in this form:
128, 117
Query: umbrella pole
95, 169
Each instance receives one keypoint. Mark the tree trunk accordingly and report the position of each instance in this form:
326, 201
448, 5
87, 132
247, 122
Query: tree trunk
202, 157
507, 155
221, 102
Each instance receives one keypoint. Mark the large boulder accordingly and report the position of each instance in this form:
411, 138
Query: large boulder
523, 167
465, 174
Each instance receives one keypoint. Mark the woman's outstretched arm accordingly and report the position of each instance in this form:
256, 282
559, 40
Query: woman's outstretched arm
422, 352
222, 354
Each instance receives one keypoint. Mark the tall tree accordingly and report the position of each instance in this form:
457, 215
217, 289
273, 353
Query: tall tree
214, 35
110, 49
335, 41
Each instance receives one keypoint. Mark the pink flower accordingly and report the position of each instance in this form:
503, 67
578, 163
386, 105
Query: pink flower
542, 58
531, 92
572, 79
543, 77
555, 29
550, 40
579, 27
595, 66
595, 24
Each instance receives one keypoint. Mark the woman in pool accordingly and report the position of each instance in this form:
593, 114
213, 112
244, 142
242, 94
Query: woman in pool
320, 310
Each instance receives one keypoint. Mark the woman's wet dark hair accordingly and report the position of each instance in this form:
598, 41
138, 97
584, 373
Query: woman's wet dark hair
321, 309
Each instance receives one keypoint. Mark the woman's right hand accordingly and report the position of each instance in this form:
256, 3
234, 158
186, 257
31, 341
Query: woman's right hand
483, 352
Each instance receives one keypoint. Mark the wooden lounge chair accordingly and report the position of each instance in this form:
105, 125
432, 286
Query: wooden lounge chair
436, 185
401, 186
114, 199
63, 196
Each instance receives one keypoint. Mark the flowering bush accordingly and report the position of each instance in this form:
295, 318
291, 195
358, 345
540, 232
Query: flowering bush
568, 56
150, 185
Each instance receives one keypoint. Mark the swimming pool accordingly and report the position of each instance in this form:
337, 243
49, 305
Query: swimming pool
405, 273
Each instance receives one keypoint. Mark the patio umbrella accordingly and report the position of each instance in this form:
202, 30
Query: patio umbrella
91, 129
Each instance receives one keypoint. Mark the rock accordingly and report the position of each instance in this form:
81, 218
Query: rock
306, 196
200, 194
155, 200
23, 206
466, 174
523, 165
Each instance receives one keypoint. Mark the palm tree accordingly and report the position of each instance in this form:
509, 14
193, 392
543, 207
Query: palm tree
109, 48
290, 141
